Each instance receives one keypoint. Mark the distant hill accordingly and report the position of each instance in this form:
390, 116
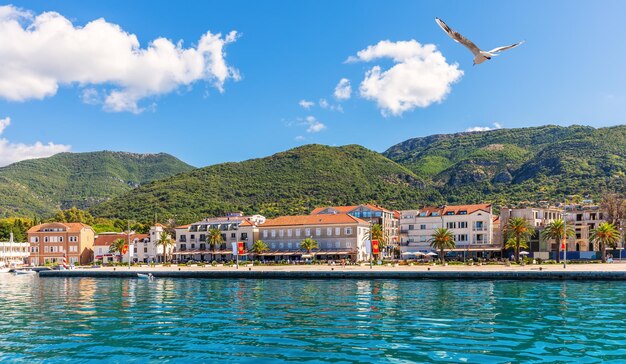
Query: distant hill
291, 182
514, 165
41, 186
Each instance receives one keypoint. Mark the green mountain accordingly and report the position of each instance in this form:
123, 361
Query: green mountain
515, 165
291, 182
42, 186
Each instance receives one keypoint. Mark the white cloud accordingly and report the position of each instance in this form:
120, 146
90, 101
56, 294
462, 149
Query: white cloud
314, 125
299, 138
421, 76
343, 90
324, 104
485, 128
306, 104
14, 152
39, 53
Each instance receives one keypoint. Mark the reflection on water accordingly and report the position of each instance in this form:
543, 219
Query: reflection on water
349, 321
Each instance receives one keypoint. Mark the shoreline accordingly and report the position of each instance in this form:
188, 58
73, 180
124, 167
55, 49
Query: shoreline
584, 272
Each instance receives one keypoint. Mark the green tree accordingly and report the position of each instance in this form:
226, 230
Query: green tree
517, 232
259, 247
166, 242
606, 235
308, 244
557, 230
377, 233
74, 214
442, 239
214, 239
117, 246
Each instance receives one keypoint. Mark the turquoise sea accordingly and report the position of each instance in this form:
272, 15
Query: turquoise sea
341, 321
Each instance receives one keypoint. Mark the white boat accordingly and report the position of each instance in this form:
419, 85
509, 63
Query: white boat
24, 271
145, 276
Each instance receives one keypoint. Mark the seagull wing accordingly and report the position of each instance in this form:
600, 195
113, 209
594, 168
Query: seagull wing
458, 37
500, 49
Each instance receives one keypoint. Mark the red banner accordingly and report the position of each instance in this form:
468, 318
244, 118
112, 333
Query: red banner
375, 248
125, 249
240, 248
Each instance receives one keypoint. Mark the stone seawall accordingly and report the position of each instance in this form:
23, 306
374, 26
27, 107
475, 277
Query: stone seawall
337, 274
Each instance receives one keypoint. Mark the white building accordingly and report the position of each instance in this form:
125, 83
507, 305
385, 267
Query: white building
472, 226
144, 247
12, 253
192, 244
539, 217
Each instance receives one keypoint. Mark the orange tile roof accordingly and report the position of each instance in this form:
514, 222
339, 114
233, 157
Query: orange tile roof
455, 209
107, 239
347, 209
183, 226
72, 227
313, 220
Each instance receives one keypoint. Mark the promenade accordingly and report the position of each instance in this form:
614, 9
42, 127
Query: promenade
615, 271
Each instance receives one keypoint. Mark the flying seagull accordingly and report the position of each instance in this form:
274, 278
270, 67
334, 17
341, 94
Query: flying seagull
480, 56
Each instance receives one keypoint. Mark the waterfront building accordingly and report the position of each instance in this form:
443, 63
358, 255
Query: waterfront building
388, 219
583, 218
144, 247
473, 227
539, 218
50, 241
338, 236
13, 253
192, 239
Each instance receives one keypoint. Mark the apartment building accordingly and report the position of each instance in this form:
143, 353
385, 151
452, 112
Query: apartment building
191, 239
539, 217
472, 226
583, 218
388, 219
143, 246
50, 241
13, 253
338, 236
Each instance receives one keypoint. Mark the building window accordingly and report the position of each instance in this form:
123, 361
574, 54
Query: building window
34, 239
281, 233
307, 232
462, 224
233, 235
318, 232
289, 233
60, 239
45, 239
265, 233
202, 237
244, 236
348, 244
329, 231
145, 249
423, 227
273, 233
297, 232
337, 245
348, 231
193, 237
183, 238
337, 231
411, 227
289, 245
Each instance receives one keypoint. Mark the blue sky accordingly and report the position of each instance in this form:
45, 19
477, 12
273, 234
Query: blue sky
569, 71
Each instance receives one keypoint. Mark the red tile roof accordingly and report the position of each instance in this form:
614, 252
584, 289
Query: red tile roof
72, 227
324, 219
107, 239
455, 210
348, 209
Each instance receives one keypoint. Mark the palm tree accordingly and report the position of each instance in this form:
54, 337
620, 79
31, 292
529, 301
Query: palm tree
166, 242
214, 239
308, 244
442, 239
517, 231
377, 233
117, 246
606, 234
259, 247
558, 231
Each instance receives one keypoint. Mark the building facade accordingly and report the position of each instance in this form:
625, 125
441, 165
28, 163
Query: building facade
192, 240
471, 225
583, 218
388, 219
144, 246
539, 218
49, 242
13, 253
338, 236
